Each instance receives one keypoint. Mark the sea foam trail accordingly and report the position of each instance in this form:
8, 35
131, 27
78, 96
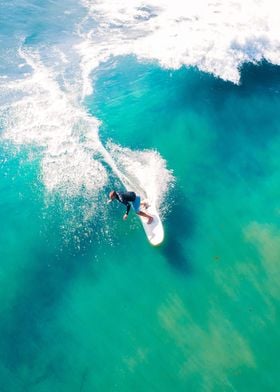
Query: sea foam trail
42, 115
39, 113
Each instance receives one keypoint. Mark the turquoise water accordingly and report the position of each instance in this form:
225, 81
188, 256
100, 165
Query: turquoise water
86, 303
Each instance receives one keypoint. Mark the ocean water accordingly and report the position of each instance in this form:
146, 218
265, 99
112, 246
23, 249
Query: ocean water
183, 100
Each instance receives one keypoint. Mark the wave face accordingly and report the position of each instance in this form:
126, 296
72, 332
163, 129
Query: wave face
46, 73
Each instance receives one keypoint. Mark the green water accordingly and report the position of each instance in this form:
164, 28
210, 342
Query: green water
98, 309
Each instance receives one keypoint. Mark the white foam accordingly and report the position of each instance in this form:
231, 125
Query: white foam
43, 107
42, 115
214, 36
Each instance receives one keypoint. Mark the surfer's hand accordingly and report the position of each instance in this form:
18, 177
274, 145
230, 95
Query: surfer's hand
125, 217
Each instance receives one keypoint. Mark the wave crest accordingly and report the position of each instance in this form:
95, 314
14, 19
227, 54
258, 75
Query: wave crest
215, 36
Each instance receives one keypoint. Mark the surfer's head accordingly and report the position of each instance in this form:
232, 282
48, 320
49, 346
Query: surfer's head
112, 195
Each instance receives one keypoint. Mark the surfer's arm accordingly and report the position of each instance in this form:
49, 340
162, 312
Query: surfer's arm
128, 206
127, 210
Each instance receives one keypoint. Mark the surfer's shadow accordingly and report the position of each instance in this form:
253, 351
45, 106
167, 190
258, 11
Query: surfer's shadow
176, 257
180, 228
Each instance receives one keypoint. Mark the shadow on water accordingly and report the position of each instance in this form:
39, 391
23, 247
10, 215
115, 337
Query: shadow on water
179, 228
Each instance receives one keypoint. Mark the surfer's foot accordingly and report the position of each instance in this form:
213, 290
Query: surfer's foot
150, 220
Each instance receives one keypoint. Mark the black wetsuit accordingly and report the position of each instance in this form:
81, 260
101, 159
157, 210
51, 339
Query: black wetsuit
125, 198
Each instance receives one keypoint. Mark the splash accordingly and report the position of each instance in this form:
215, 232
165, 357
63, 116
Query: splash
140, 170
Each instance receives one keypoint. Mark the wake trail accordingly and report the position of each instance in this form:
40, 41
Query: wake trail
126, 182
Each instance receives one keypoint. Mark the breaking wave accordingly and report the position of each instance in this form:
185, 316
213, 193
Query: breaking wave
41, 102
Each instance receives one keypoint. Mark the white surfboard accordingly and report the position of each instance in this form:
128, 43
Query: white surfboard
154, 231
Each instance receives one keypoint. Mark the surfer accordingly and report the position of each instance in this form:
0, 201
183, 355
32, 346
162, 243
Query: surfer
130, 199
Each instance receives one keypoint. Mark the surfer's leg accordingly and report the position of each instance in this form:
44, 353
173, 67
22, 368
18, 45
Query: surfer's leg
150, 218
145, 203
136, 206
